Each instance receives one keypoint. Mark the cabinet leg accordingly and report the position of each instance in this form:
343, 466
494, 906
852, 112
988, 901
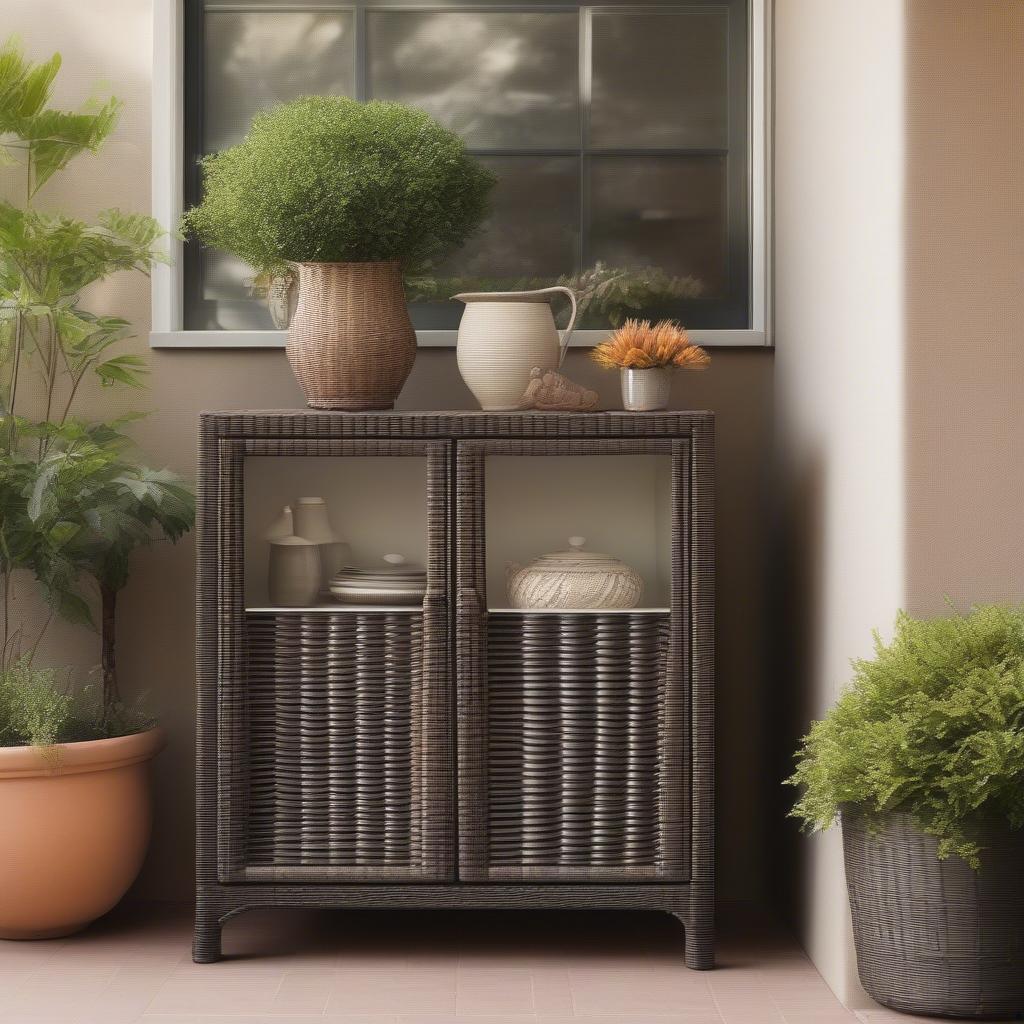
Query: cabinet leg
206, 938
700, 941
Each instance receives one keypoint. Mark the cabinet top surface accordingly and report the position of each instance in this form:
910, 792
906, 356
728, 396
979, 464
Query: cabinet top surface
460, 423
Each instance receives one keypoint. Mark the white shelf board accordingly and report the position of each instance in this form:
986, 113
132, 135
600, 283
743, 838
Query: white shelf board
578, 611
412, 609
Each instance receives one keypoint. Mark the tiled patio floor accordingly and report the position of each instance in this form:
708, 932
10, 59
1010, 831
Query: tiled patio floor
413, 968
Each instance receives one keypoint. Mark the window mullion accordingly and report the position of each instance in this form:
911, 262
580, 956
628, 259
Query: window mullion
583, 245
361, 50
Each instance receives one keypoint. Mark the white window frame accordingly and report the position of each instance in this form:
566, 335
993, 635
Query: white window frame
168, 159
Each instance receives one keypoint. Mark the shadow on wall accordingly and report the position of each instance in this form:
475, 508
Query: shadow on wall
795, 580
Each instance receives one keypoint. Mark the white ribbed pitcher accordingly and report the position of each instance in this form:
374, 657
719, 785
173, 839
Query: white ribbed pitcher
503, 336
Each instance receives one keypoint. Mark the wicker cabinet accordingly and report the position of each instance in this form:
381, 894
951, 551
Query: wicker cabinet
462, 753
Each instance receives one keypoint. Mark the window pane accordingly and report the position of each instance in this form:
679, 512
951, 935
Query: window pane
660, 80
665, 212
499, 79
257, 60
533, 227
227, 302
531, 234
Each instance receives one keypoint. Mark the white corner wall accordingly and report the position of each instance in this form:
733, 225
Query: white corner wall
839, 171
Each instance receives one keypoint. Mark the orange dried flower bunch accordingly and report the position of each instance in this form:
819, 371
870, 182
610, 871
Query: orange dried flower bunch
636, 345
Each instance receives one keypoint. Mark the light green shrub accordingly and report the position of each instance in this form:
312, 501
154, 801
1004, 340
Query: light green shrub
933, 725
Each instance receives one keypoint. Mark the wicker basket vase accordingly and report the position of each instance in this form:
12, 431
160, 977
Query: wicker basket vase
934, 937
351, 343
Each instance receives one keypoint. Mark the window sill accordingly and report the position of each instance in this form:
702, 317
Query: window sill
427, 339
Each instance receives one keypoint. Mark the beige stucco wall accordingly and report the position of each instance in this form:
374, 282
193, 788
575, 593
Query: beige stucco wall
900, 286
965, 303
838, 385
111, 40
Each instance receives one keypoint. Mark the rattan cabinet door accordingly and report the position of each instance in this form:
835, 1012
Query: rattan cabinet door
576, 727
334, 725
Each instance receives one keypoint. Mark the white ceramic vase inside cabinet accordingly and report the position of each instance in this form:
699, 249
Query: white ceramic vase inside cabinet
503, 336
294, 575
312, 521
646, 390
282, 526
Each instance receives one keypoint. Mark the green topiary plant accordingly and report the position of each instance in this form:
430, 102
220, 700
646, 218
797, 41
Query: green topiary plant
933, 725
330, 180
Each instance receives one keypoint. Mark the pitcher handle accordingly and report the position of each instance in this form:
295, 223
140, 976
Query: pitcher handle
564, 343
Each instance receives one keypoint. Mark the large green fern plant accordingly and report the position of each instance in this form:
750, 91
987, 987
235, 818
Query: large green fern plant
932, 725
74, 502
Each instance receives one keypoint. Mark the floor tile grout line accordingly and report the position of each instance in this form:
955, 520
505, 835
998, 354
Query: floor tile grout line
714, 999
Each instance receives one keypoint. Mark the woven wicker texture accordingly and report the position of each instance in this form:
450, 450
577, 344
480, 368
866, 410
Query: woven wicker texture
575, 735
678, 748
932, 936
280, 697
351, 343
333, 718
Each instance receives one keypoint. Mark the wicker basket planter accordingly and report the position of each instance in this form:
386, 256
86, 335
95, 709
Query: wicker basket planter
351, 343
934, 937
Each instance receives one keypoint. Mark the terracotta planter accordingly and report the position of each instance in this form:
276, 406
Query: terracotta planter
351, 343
76, 823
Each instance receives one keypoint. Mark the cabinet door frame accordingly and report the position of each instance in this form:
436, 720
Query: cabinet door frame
222, 764
687, 797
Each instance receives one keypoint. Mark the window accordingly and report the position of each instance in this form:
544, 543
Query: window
621, 134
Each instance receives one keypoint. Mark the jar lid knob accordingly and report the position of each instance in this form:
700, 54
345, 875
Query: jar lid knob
395, 559
576, 543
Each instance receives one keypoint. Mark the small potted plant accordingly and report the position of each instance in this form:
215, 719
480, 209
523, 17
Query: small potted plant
74, 505
646, 356
922, 759
352, 195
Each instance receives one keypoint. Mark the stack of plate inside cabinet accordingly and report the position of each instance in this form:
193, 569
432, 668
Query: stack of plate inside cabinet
397, 582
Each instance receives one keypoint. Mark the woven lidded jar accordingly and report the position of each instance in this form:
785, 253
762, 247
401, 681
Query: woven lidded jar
574, 579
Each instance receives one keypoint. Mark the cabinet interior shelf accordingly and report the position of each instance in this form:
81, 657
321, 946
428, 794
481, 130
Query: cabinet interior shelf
330, 609
578, 611
415, 609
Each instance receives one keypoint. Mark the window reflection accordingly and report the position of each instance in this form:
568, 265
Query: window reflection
258, 60
676, 96
667, 212
532, 229
501, 80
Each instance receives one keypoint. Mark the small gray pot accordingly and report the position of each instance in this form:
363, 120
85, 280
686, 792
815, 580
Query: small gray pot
645, 390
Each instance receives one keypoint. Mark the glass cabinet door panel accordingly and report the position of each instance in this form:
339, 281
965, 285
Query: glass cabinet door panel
572, 746
618, 504
376, 506
337, 704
